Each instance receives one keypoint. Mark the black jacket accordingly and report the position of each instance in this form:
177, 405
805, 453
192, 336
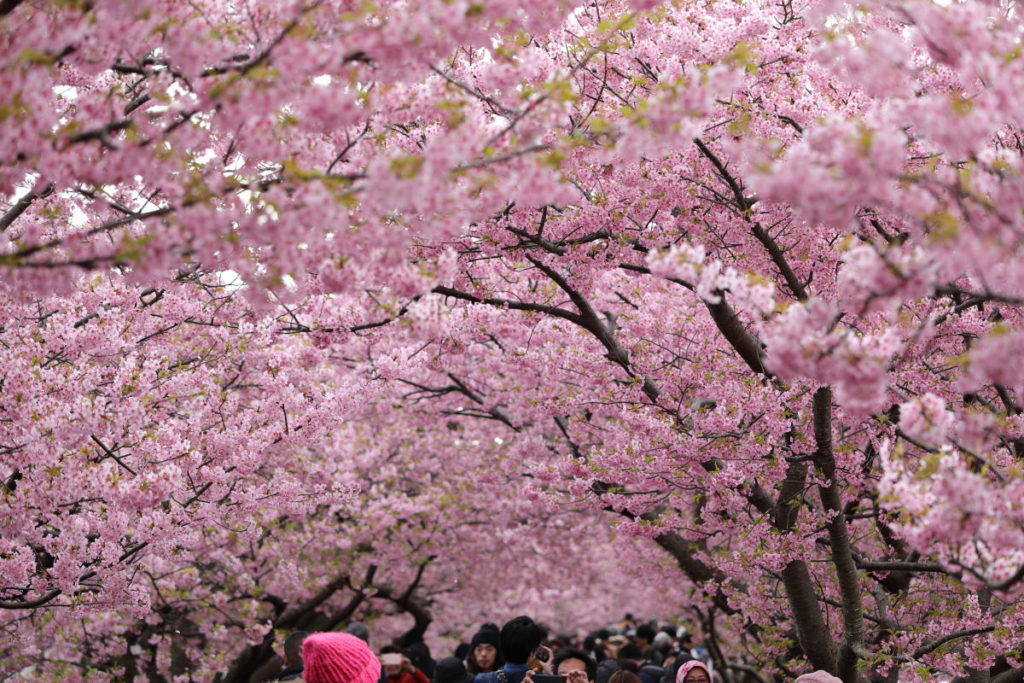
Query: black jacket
291, 673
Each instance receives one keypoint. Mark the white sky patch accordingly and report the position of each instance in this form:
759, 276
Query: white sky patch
230, 280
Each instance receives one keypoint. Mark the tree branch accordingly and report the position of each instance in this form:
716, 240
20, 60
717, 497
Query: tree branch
839, 540
939, 642
745, 204
22, 205
8, 6
506, 303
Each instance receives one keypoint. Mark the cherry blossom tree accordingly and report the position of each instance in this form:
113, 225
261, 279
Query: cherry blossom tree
184, 484
320, 307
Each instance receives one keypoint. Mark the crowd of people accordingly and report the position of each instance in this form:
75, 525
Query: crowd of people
521, 651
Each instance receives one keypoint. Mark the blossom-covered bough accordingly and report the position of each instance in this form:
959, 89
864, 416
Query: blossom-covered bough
323, 309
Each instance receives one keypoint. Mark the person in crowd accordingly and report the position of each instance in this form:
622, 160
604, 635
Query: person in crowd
419, 654
600, 647
576, 665
610, 664
398, 668
590, 644
644, 639
686, 644
415, 648
558, 641
693, 671
818, 677
605, 669
359, 630
631, 657
623, 676
612, 645
660, 647
683, 653
520, 640
292, 657
485, 651
451, 670
338, 658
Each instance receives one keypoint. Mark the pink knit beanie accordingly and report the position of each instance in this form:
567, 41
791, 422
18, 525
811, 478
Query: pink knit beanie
689, 666
818, 677
338, 658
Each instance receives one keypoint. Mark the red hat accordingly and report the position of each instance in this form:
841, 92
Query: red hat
338, 658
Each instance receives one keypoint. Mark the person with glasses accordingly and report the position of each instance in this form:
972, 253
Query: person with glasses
693, 671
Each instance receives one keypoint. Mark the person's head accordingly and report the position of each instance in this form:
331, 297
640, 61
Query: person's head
293, 648
338, 658
418, 653
818, 677
623, 676
644, 636
484, 657
451, 670
570, 659
520, 637
693, 671
612, 645
631, 652
558, 641
662, 642
391, 659
359, 630
485, 650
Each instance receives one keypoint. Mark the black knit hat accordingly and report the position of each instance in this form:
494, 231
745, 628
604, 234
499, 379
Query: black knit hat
487, 635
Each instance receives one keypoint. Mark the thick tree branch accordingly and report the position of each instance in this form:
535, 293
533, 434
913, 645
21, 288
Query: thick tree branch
590, 321
742, 202
513, 305
408, 602
22, 205
30, 604
1011, 676
745, 205
788, 274
898, 566
8, 6
933, 645
839, 540
51, 595
812, 633
302, 617
741, 339
698, 571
